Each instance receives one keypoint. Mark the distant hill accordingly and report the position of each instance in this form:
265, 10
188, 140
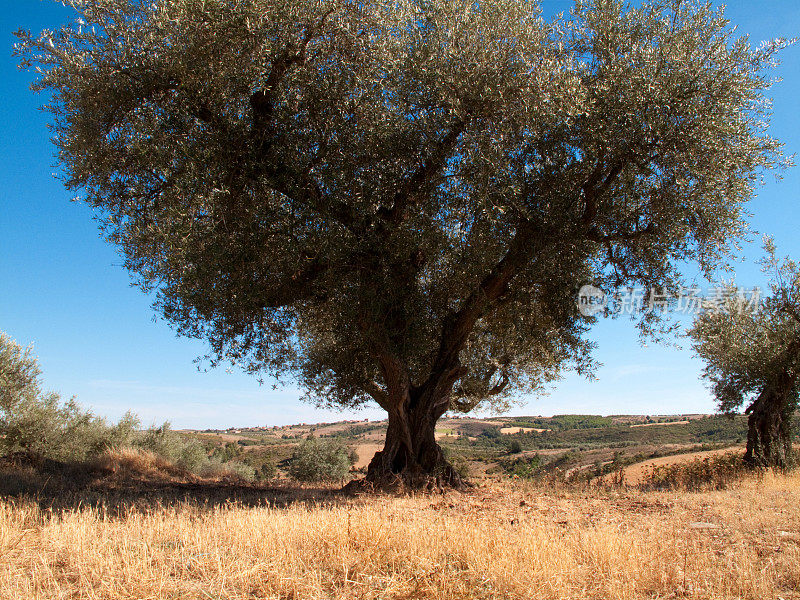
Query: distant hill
488, 445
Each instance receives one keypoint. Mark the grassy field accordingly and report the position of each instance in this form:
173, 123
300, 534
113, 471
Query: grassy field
503, 539
566, 518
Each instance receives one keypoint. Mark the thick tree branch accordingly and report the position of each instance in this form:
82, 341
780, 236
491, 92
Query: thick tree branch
298, 287
262, 102
377, 393
597, 184
500, 386
621, 236
459, 325
396, 377
203, 112
301, 188
486, 380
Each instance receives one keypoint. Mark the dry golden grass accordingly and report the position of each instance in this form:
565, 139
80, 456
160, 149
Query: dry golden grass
501, 540
127, 463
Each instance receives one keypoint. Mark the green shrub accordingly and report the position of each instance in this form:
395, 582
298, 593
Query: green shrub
161, 440
515, 447
459, 462
241, 470
215, 468
39, 423
268, 469
227, 452
164, 441
527, 467
193, 457
490, 433
320, 460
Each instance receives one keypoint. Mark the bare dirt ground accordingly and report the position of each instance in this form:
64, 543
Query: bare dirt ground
458, 423
224, 437
365, 453
510, 430
659, 419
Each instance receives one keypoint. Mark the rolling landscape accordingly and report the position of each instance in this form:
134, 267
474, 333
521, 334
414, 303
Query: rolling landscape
583, 507
580, 446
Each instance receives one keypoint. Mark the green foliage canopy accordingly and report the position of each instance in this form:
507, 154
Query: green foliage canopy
378, 196
747, 348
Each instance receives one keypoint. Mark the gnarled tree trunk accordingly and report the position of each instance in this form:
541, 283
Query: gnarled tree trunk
769, 428
411, 457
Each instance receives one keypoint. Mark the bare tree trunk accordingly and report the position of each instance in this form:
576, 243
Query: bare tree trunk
769, 441
411, 456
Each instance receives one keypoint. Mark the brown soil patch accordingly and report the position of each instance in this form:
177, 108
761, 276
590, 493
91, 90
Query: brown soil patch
510, 430
365, 453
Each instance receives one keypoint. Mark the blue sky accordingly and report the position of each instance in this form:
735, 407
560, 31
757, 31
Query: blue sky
63, 289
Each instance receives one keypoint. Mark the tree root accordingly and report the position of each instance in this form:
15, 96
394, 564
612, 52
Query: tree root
409, 481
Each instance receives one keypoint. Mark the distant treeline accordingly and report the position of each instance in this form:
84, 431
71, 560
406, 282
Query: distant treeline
571, 431
562, 422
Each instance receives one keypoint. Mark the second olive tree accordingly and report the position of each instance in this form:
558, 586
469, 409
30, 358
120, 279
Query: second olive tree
752, 355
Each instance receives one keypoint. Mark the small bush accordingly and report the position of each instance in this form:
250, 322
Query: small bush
459, 462
40, 424
320, 460
163, 441
527, 467
193, 457
268, 469
129, 461
490, 433
515, 447
241, 470
227, 452
353, 456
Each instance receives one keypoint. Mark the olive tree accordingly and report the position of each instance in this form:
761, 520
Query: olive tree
752, 356
397, 202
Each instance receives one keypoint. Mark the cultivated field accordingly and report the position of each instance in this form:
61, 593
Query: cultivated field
501, 540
